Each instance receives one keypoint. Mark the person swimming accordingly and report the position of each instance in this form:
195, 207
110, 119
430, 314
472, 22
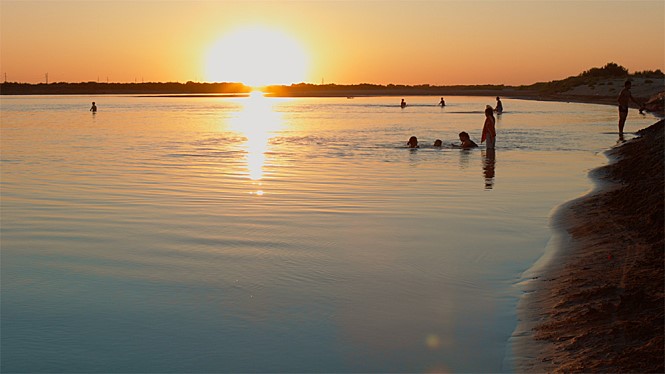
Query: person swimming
466, 141
442, 102
413, 142
499, 106
438, 143
93, 109
403, 103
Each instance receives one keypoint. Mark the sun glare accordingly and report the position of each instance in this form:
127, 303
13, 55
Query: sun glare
256, 56
257, 121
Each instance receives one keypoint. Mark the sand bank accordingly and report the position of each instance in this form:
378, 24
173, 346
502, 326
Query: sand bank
597, 305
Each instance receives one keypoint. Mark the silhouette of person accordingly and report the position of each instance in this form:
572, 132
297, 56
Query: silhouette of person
625, 96
413, 142
466, 141
403, 103
438, 143
93, 108
489, 129
442, 102
499, 106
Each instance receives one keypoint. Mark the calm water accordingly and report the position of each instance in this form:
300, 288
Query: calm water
271, 235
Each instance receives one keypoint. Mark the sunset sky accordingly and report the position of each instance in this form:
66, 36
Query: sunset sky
343, 42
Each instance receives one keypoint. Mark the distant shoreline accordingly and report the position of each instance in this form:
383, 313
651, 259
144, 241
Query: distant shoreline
581, 94
596, 85
295, 90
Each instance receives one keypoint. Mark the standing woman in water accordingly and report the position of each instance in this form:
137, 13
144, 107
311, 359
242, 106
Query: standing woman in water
489, 129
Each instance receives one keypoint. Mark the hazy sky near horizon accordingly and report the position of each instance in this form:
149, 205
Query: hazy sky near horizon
345, 42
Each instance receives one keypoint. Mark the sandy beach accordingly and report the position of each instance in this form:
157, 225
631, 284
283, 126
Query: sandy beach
597, 305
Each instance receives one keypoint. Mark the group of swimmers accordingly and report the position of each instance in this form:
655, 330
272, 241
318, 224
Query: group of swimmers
442, 103
465, 139
498, 109
488, 135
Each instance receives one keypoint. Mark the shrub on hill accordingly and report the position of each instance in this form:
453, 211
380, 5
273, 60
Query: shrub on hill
610, 70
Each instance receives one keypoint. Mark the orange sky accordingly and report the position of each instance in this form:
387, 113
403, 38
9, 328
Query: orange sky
344, 42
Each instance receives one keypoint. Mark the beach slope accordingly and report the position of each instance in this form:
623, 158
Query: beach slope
598, 305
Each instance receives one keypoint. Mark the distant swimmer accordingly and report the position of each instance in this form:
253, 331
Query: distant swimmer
93, 108
403, 104
413, 142
625, 96
489, 129
438, 143
499, 106
442, 102
467, 143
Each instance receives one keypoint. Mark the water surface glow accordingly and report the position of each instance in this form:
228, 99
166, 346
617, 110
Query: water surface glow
258, 123
264, 234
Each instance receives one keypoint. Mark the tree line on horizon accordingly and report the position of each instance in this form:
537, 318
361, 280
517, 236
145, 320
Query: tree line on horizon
588, 77
13, 88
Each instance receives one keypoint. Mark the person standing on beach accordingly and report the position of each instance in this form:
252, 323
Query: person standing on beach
625, 96
489, 129
93, 109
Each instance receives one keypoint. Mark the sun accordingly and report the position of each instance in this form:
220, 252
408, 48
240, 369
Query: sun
256, 56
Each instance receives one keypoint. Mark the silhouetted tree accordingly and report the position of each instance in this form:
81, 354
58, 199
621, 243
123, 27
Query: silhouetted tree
610, 70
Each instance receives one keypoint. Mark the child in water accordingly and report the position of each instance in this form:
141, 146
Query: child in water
413, 142
438, 143
467, 143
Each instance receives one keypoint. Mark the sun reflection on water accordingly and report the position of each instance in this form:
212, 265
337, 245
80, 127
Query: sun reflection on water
257, 121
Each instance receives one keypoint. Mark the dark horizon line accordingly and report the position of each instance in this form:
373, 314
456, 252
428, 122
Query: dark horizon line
610, 70
300, 84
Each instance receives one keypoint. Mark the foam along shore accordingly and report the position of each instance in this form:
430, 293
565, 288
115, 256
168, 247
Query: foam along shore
597, 304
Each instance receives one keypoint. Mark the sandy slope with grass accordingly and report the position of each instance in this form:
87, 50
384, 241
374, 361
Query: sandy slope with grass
642, 88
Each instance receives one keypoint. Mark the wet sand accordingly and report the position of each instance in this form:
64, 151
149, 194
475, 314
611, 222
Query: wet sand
598, 304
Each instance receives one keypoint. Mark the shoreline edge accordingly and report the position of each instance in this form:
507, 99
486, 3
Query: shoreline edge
594, 302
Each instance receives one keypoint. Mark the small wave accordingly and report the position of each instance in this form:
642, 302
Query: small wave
466, 112
186, 155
